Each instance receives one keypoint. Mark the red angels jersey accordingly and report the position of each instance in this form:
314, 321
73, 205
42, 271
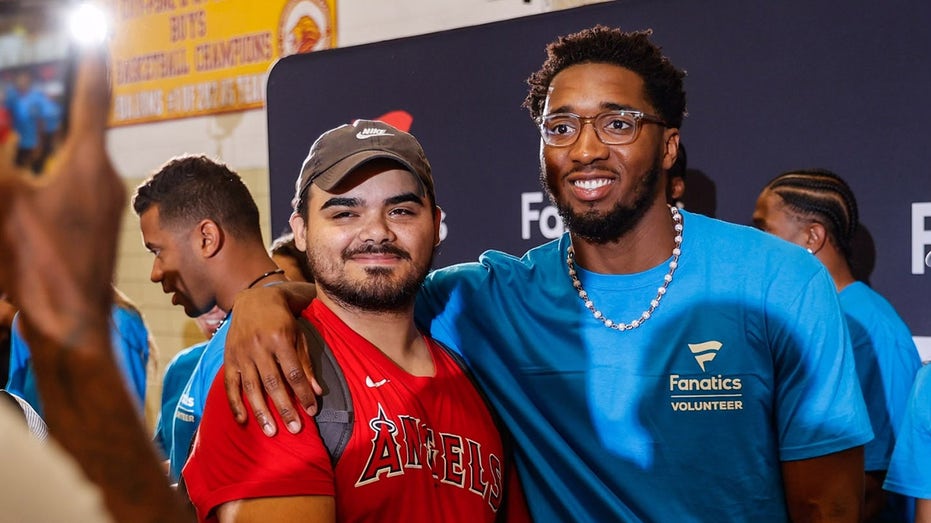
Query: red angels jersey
422, 448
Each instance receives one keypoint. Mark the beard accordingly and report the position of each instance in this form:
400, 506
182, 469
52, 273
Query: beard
601, 228
380, 292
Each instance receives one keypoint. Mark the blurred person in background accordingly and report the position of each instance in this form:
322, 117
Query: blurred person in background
817, 210
132, 348
58, 243
291, 259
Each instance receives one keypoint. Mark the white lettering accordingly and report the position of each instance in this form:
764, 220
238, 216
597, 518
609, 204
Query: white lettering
921, 237
549, 223
718, 382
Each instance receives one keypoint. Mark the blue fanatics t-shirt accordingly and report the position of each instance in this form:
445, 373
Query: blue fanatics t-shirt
745, 363
177, 374
190, 407
130, 340
886, 361
909, 471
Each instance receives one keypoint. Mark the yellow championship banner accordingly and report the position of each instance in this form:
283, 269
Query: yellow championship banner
181, 58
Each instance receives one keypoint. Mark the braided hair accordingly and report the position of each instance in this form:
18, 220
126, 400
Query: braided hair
824, 196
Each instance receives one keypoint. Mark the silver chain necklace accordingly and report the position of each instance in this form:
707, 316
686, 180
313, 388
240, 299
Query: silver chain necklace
660, 292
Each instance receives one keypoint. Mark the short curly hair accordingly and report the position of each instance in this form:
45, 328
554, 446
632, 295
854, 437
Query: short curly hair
630, 50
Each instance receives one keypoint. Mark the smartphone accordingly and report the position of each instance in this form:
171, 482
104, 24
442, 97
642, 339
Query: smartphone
36, 69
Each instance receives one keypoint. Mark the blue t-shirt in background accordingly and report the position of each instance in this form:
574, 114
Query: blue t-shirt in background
910, 468
190, 406
130, 339
177, 374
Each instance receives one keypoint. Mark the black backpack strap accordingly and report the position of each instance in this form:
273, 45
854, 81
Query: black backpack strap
334, 413
334, 408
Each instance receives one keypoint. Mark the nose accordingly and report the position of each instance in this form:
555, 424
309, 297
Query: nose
156, 274
588, 147
376, 228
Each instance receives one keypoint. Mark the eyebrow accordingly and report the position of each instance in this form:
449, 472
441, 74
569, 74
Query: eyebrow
341, 202
356, 202
605, 106
404, 198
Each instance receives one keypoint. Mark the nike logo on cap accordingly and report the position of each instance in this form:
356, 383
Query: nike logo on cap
370, 383
369, 132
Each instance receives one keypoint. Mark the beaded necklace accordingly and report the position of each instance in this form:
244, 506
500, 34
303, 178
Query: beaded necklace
660, 292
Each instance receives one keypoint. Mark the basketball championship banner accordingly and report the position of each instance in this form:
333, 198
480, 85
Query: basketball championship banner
180, 58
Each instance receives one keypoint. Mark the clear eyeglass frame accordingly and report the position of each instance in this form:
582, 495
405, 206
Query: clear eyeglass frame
605, 125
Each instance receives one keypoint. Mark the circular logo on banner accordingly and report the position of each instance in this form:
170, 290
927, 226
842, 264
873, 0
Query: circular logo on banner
304, 26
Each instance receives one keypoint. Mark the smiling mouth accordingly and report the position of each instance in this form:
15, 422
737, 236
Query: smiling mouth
592, 184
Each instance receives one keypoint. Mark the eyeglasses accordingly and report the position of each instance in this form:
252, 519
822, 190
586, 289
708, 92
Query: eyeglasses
611, 127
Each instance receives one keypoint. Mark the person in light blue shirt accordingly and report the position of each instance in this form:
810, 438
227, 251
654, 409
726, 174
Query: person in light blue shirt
817, 210
131, 347
909, 470
201, 224
177, 373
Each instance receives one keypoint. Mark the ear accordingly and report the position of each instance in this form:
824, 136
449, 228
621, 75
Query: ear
210, 238
816, 237
670, 147
437, 224
299, 228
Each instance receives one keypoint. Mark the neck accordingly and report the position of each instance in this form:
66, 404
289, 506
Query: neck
244, 270
645, 246
393, 333
838, 267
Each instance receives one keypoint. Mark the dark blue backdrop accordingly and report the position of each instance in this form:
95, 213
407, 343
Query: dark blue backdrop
771, 86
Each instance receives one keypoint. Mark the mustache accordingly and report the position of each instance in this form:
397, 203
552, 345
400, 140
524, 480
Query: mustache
594, 167
372, 248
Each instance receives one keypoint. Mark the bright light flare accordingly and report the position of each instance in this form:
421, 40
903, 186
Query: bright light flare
88, 24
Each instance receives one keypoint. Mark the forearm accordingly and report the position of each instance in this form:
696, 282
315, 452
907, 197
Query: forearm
92, 416
874, 498
923, 511
296, 295
828, 488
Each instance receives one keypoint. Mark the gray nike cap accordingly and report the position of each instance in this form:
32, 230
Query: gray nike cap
340, 151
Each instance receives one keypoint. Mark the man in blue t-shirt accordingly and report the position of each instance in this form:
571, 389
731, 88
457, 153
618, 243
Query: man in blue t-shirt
200, 222
817, 210
650, 364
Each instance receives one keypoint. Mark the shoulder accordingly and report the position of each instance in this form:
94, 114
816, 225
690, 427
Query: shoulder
867, 309
186, 358
495, 265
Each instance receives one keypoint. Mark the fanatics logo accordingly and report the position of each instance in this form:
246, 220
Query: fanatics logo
705, 352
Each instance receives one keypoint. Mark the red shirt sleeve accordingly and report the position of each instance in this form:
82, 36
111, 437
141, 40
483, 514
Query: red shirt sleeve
230, 461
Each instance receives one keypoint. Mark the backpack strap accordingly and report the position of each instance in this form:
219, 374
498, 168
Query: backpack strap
335, 412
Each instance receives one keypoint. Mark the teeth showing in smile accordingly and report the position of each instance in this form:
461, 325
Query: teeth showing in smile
591, 184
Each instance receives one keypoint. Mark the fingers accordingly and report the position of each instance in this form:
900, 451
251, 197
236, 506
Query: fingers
232, 381
252, 390
90, 106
